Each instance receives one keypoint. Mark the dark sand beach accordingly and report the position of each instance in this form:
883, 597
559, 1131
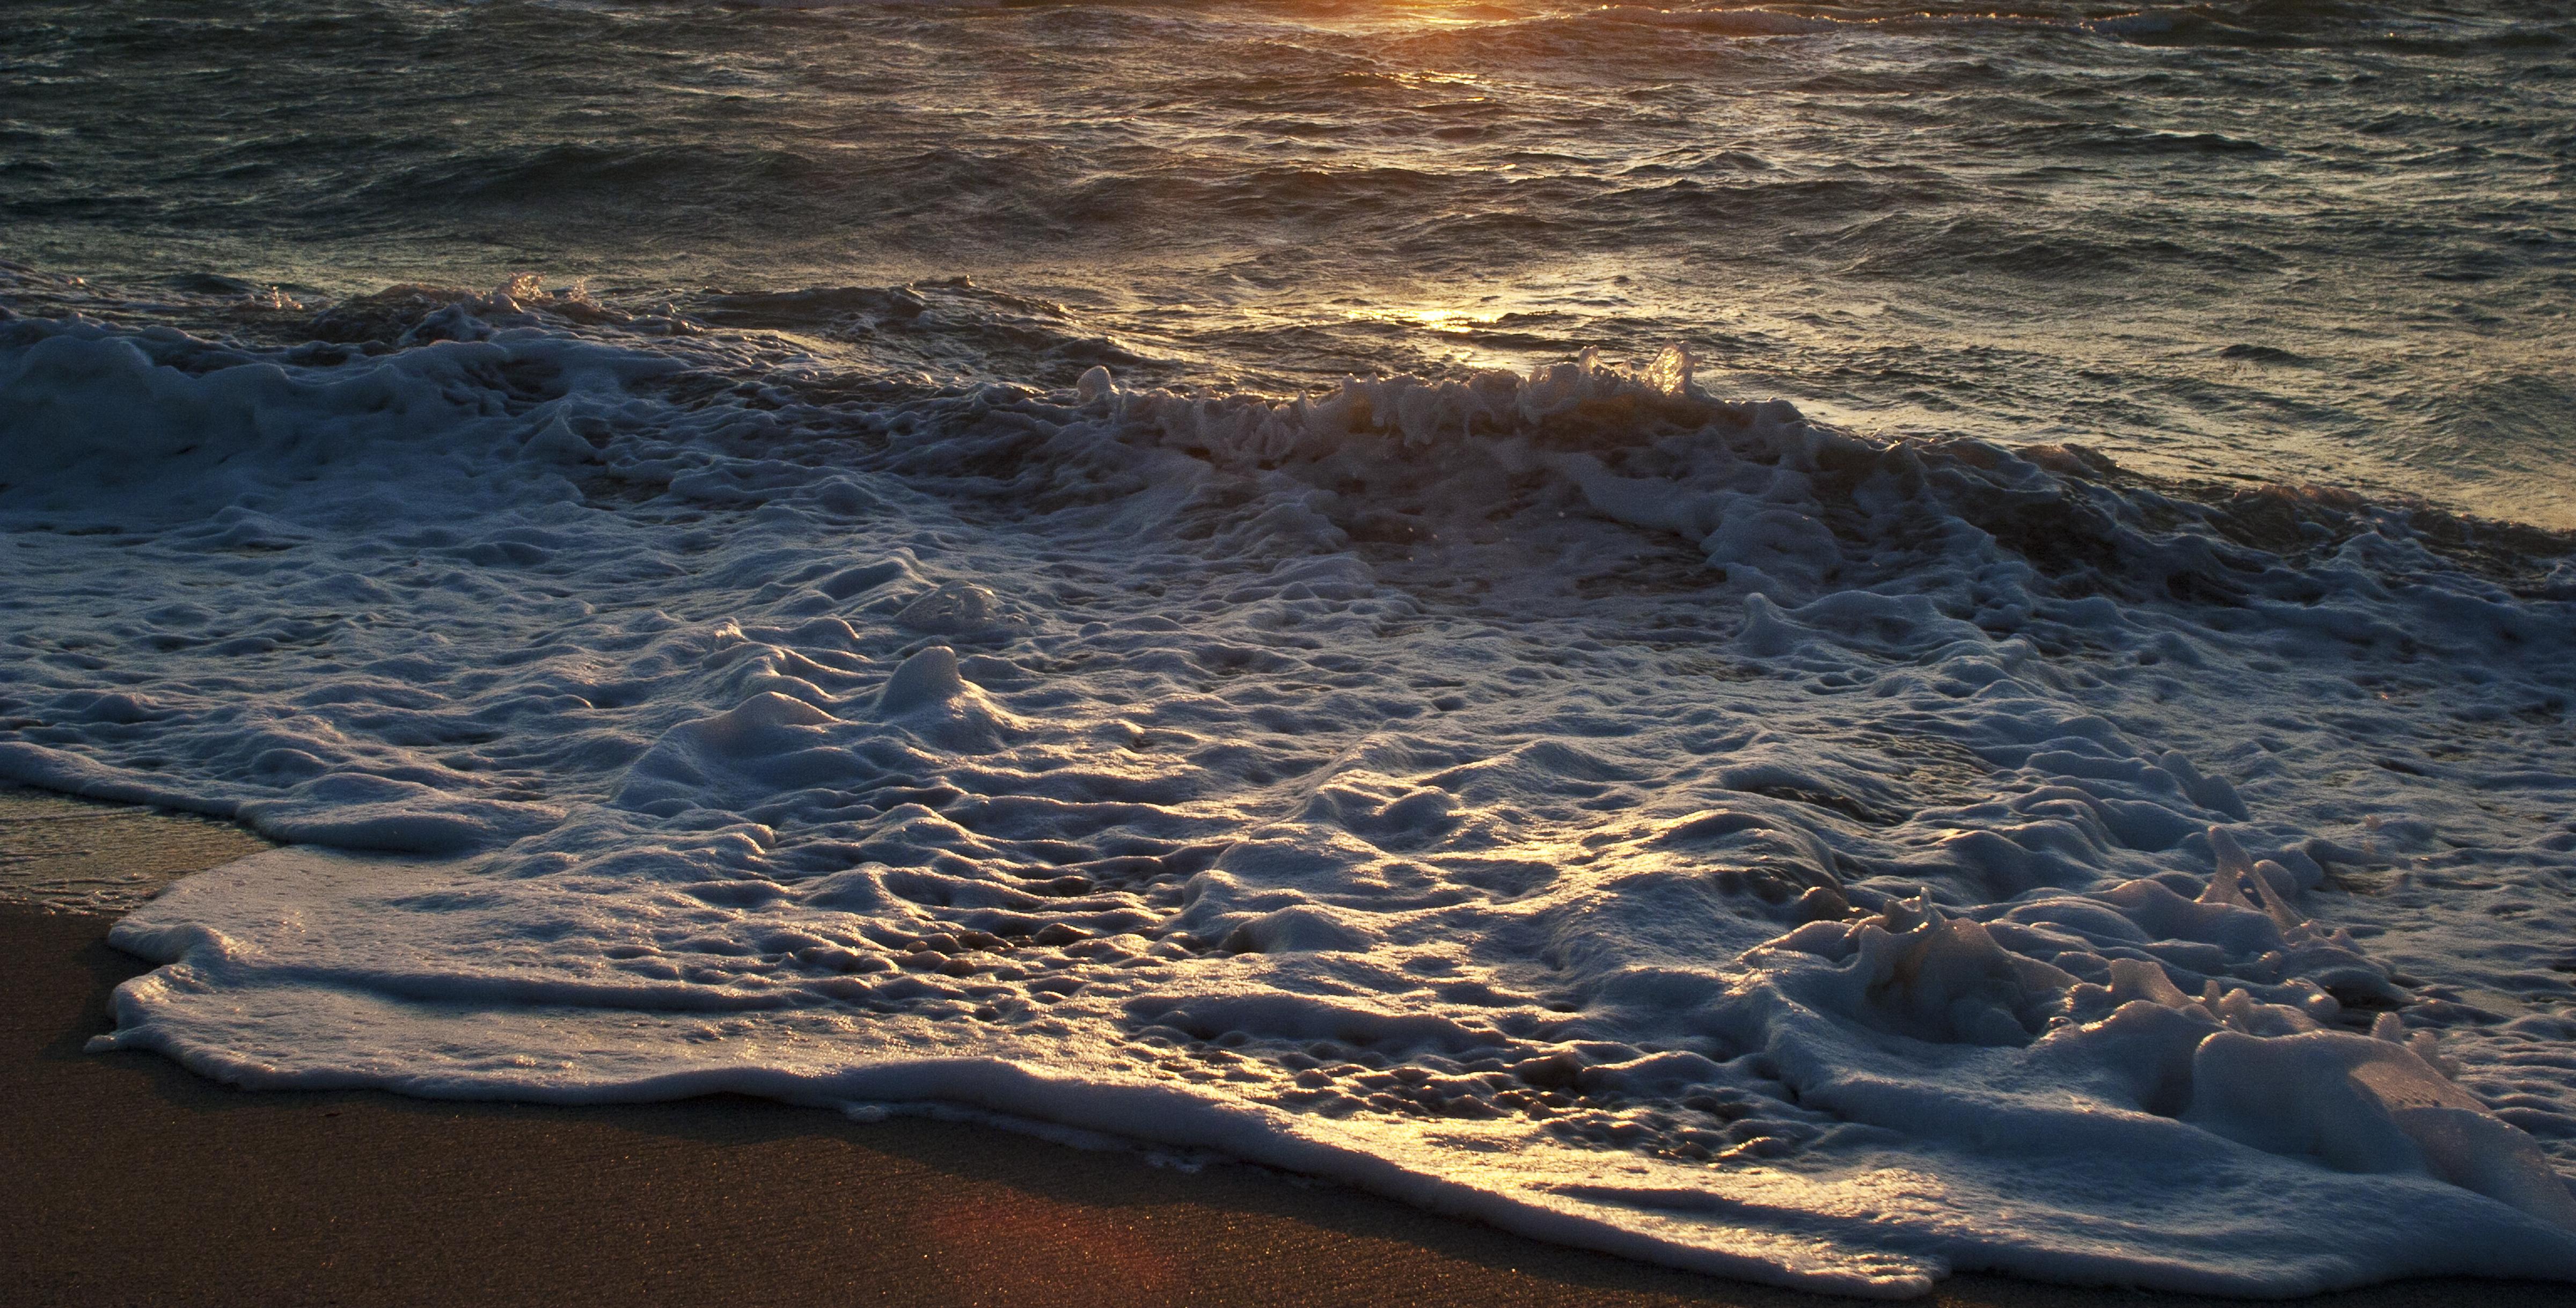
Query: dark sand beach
132, 1181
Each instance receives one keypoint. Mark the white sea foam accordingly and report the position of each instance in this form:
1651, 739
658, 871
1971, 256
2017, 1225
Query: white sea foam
1644, 821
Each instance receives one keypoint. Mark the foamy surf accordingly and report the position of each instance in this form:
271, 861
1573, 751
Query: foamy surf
1641, 819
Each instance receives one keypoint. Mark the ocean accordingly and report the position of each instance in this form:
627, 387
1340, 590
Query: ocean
1828, 643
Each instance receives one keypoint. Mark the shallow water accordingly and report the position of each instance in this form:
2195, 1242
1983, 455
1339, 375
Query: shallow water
932, 622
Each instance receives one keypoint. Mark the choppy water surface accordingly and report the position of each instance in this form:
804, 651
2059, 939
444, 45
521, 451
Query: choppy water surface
2273, 240
1669, 628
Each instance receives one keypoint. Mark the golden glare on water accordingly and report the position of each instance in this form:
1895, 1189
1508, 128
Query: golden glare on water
1426, 319
1451, 13
1753, 634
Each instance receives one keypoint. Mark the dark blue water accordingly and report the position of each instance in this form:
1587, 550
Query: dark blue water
2304, 241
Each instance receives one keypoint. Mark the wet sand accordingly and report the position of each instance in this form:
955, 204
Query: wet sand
130, 1181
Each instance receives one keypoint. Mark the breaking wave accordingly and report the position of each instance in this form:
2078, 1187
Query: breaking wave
1644, 819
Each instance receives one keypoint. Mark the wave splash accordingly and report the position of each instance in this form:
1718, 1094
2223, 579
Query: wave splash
1643, 820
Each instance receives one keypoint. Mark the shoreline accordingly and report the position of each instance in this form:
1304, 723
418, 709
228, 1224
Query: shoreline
139, 1182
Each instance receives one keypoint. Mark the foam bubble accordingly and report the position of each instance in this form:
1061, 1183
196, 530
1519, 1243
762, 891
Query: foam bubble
1660, 823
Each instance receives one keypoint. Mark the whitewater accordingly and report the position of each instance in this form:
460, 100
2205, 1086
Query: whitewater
1570, 770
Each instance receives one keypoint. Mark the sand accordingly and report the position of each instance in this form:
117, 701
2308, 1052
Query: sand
132, 1181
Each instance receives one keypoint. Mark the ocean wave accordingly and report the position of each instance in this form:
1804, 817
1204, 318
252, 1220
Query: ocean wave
1643, 819
2252, 24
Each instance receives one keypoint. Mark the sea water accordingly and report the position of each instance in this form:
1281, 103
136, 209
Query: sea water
1824, 643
